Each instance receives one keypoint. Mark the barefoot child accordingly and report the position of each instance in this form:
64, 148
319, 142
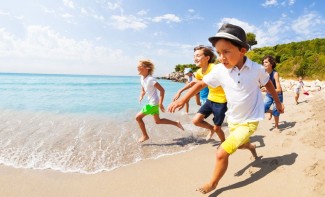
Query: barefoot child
298, 87
269, 65
240, 78
150, 87
216, 103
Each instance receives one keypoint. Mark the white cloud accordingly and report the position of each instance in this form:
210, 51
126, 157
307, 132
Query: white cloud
43, 50
168, 18
142, 12
68, 3
265, 36
283, 30
269, 3
291, 2
307, 23
191, 10
84, 11
4, 13
66, 15
128, 22
114, 6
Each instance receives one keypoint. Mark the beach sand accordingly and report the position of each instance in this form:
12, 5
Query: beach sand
293, 164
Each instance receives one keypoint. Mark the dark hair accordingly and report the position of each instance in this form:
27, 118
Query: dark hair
207, 51
271, 60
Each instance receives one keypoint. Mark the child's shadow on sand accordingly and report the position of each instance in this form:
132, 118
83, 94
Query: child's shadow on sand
285, 125
182, 142
266, 165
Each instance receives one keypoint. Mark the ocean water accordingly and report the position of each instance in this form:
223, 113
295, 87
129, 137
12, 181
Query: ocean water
84, 124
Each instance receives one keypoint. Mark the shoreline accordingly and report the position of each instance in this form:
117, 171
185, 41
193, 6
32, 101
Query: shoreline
293, 164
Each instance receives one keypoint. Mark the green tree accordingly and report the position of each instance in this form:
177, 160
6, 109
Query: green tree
251, 39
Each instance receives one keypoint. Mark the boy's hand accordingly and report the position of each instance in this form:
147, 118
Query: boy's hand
140, 99
177, 95
280, 107
175, 105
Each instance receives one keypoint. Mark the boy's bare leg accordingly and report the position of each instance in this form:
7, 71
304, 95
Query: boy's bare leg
187, 107
219, 170
139, 118
270, 111
296, 99
251, 147
199, 121
159, 120
276, 122
220, 133
197, 99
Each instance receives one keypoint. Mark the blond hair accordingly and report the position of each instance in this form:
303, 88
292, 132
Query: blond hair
149, 65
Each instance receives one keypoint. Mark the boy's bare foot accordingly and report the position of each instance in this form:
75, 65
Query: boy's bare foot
252, 148
179, 125
206, 188
209, 136
276, 129
143, 138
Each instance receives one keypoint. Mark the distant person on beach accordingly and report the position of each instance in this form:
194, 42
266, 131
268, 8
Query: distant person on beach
149, 86
240, 78
269, 64
216, 102
298, 87
190, 77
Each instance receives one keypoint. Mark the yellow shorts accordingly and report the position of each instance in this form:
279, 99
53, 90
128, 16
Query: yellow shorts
238, 135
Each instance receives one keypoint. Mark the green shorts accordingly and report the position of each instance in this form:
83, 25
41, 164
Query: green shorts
150, 109
238, 135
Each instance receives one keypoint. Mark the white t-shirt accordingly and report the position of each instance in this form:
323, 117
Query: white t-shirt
148, 85
299, 84
242, 89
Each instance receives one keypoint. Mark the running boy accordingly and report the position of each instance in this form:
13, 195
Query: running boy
240, 78
216, 103
150, 86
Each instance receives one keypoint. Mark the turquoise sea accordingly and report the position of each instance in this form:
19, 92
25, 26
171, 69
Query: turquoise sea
84, 124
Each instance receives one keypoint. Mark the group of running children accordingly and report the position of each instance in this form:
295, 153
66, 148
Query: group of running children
233, 88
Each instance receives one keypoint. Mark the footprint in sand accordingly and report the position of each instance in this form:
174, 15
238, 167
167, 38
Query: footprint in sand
252, 170
292, 133
287, 142
317, 170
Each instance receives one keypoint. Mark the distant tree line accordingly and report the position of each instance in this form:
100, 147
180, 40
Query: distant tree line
306, 58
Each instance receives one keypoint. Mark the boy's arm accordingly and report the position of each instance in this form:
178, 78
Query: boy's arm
277, 81
179, 104
142, 93
270, 88
161, 97
187, 86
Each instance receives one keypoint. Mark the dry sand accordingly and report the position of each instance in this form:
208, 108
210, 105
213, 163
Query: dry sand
293, 164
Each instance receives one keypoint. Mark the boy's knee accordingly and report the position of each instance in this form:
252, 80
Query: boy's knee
222, 154
138, 118
195, 122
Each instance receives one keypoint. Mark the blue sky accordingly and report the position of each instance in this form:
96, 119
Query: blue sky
100, 37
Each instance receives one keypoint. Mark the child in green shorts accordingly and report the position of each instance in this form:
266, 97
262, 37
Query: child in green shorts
150, 86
